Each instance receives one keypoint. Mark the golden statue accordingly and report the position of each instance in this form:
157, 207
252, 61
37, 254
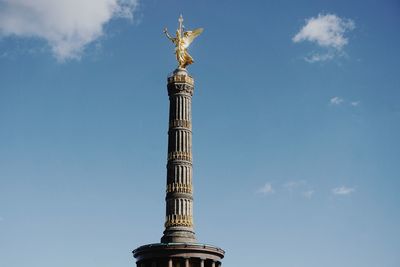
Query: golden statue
182, 41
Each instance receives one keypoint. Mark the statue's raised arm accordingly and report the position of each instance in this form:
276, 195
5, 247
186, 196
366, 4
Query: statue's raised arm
182, 41
165, 31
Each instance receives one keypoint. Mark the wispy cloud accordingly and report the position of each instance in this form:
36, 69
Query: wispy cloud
308, 194
328, 33
291, 185
68, 26
343, 190
266, 189
336, 100
299, 186
315, 57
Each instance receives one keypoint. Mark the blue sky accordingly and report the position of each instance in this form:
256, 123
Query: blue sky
296, 119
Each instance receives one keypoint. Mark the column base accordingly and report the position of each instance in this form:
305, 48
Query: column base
178, 235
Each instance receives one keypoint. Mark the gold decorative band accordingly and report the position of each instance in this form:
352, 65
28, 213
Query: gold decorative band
180, 155
180, 188
180, 123
178, 220
181, 79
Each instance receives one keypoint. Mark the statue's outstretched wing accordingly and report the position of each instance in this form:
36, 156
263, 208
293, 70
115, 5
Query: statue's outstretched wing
189, 36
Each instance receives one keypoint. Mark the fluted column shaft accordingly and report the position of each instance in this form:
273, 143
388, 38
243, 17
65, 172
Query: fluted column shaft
179, 189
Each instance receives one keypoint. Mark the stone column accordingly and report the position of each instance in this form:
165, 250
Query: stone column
179, 191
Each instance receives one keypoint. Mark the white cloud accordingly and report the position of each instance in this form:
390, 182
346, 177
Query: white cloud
68, 26
308, 194
355, 103
328, 32
343, 190
336, 100
267, 189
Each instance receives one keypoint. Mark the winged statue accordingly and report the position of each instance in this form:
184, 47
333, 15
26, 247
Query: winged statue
182, 42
